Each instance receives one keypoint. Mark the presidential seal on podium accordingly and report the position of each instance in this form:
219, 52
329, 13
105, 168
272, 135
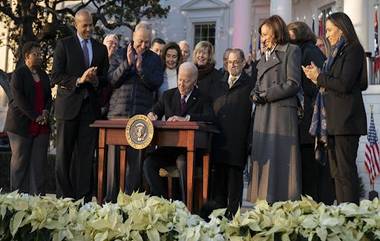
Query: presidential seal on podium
139, 131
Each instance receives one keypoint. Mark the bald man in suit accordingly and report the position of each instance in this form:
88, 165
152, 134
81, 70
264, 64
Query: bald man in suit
79, 69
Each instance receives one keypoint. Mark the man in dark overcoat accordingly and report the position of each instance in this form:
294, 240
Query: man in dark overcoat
232, 108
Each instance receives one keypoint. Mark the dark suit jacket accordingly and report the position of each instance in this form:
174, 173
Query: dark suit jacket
344, 83
310, 53
198, 106
21, 107
68, 66
232, 108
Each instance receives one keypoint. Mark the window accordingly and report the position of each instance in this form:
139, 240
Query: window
325, 12
204, 32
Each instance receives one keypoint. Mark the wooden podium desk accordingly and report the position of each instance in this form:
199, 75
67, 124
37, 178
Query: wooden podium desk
190, 135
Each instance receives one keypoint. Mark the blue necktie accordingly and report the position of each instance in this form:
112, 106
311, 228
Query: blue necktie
85, 53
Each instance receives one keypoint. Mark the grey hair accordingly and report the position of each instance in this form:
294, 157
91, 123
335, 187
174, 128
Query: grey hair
189, 66
143, 25
183, 42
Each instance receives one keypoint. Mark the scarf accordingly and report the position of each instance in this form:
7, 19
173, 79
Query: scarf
204, 70
318, 127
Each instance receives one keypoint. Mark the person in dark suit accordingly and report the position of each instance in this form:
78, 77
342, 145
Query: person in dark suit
316, 179
79, 69
27, 123
343, 79
184, 103
232, 108
251, 66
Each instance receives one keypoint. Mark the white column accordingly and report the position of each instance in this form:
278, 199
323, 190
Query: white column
359, 14
241, 24
283, 8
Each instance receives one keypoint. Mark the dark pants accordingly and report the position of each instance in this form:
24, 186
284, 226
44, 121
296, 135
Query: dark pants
316, 178
162, 158
76, 142
133, 175
28, 163
343, 167
228, 186
113, 169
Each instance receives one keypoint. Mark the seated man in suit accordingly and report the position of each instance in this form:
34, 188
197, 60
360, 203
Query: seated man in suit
184, 103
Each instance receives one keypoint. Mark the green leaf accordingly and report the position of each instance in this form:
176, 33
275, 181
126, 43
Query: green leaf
16, 221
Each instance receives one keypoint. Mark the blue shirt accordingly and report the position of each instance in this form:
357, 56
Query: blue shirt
89, 47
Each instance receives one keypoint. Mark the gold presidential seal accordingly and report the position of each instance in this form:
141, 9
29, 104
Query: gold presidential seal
139, 131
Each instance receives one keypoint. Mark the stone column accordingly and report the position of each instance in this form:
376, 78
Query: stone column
241, 24
283, 8
358, 11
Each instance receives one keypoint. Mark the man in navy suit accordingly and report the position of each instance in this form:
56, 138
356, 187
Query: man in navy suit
184, 103
79, 69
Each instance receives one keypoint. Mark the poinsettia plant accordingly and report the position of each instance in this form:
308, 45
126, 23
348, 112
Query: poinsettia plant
141, 217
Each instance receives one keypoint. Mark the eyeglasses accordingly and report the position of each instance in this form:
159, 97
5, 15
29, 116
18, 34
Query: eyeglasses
235, 62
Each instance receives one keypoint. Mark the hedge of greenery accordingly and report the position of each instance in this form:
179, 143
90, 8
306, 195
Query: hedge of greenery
140, 217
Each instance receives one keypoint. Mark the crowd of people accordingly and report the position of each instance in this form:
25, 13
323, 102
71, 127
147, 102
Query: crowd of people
295, 109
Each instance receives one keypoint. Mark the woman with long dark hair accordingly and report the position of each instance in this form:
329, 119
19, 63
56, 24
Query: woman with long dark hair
339, 117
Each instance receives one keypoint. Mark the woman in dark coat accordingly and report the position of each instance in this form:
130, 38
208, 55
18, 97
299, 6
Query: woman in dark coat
27, 123
275, 149
208, 75
343, 79
316, 178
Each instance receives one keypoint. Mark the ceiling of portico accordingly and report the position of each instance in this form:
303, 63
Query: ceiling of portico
203, 4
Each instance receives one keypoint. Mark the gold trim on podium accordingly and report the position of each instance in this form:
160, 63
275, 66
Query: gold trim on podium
139, 131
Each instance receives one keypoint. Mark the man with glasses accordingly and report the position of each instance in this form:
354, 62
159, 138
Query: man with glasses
134, 77
232, 108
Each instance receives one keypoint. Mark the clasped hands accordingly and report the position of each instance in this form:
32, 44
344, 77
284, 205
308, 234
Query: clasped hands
152, 116
89, 76
311, 72
43, 118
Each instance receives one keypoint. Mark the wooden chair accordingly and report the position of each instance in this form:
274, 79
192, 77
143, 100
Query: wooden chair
171, 172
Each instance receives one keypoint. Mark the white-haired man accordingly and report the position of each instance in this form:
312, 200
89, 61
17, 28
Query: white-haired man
134, 76
184, 103
185, 50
